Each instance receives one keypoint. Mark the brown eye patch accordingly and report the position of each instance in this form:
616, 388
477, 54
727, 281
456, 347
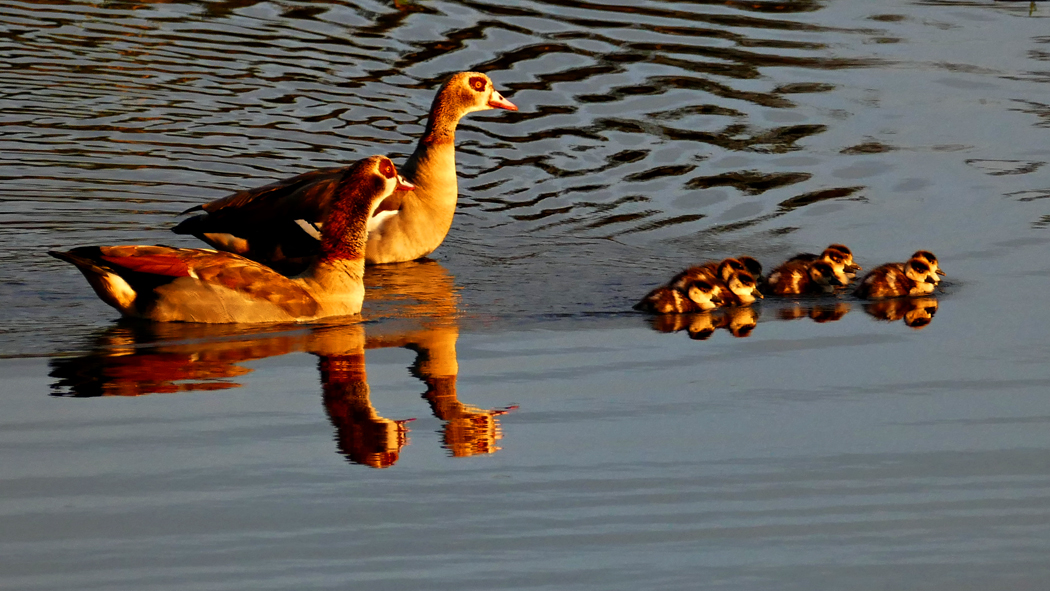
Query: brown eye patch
386, 168
918, 266
477, 83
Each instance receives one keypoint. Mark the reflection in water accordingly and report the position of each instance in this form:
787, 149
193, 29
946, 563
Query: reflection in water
738, 321
916, 312
816, 311
137, 358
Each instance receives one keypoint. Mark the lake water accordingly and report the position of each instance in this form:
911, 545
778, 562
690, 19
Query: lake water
502, 420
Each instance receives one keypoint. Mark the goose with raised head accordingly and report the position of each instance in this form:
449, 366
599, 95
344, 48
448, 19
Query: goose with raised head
168, 284
278, 224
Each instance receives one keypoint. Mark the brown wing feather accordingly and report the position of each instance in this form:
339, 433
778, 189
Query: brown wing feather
305, 196
216, 268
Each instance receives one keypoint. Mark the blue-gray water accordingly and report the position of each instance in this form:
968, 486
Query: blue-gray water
559, 441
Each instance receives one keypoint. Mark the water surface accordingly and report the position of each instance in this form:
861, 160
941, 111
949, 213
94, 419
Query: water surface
501, 419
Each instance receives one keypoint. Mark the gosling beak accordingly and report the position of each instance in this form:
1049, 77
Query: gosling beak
403, 185
758, 295
496, 101
855, 267
939, 272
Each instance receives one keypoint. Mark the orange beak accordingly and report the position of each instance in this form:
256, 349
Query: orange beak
403, 185
498, 102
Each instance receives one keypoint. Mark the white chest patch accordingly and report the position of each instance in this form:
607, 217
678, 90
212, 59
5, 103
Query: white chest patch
313, 230
376, 222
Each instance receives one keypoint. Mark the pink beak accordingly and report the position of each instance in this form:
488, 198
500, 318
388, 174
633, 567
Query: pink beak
403, 185
498, 102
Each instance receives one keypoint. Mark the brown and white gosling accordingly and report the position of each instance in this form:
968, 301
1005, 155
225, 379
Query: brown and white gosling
805, 278
912, 278
741, 289
733, 283
838, 256
695, 296
709, 271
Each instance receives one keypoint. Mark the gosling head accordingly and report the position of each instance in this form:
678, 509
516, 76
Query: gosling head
924, 277
826, 276
703, 294
729, 266
743, 286
847, 257
751, 265
930, 259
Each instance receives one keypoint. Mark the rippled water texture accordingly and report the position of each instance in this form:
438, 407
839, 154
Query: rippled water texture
503, 420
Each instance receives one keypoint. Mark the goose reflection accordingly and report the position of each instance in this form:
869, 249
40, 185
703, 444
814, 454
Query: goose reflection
415, 306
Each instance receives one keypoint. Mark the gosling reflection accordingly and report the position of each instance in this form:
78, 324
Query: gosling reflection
738, 321
916, 312
416, 308
817, 312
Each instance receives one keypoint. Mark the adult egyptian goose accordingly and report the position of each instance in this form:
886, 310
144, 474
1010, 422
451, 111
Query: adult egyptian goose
168, 284
277, 224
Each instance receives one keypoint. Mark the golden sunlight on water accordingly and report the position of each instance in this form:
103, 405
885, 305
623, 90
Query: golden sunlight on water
138, 359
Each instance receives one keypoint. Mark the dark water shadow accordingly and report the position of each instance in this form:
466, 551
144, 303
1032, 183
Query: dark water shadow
139, 358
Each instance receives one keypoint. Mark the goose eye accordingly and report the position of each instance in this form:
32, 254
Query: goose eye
387, 169
477, 83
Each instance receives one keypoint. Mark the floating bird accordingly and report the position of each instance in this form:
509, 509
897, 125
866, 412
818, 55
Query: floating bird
799, 277
838, 256
912, 278
278, 224
696, 296
162, 283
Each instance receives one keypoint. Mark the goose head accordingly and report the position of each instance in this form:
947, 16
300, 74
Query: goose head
467, 92
362, 190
